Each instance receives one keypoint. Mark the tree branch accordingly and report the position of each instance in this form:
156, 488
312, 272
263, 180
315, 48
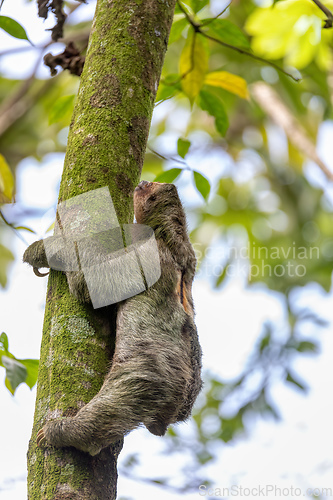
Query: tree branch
270, 102
329, 21
197, 27
253, 56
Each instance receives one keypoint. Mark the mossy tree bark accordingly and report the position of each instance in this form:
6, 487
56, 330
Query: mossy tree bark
106, 147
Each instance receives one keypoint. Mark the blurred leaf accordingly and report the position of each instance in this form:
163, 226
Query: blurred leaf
193, 65
214, 106
16, 373
177, 29
202, 184
6, 182
169, 175
223, 275
6, 257
204, 457
159, 481
231, 427
13, 28
290, 378
306, 346
4, 341
51, 226
266, 339
24, 228
185, 6
183, 145
197, 5
62, 109
291, 30
131, 460
168, 87
31, 366
233, 83
17, 370
228, 32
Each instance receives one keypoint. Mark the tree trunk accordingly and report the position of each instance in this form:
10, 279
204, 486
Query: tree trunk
106, 147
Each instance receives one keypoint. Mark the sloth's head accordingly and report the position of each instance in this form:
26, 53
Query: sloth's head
154, 201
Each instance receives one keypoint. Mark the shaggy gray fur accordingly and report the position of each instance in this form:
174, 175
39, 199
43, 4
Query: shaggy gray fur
155, 374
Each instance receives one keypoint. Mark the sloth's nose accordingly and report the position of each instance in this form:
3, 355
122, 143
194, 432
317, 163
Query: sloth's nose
142, 184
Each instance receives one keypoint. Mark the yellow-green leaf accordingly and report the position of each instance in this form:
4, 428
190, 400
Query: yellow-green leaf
6, 182
169, 175
214, 106
177, 29
291, 29
228, 32
31, 366
6, 257
193, 65
16, 373
183, 145
228, 81
202, 184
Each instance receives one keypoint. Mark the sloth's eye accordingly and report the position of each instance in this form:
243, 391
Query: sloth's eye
152, 197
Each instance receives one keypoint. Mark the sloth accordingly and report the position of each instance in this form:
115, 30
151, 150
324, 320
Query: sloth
155, 375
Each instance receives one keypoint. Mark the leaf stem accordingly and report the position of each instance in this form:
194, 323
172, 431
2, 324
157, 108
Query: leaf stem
217, 16
253, 56
13, 228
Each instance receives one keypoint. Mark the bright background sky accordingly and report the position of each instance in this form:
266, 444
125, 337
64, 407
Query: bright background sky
294, 452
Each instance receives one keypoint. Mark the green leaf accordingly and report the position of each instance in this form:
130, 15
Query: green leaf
223, 274
168, 87
202, 184
231, 427
183, 145
265, 341
168, 176
193, 65
4, 341
13, 28
228, 32
198, 4
32, 371
6, 181
177, 29
306, 346
290, 378
214, 106
16, 373
62, 109
6, 257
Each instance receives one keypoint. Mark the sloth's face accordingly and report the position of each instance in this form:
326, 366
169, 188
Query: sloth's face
150, 197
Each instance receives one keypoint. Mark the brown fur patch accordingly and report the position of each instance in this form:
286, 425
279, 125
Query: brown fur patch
182, 292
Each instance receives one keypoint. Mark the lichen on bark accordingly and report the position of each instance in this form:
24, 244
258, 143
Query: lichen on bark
106, 147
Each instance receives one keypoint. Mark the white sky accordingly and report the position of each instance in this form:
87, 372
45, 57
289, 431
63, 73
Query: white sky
296, 452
